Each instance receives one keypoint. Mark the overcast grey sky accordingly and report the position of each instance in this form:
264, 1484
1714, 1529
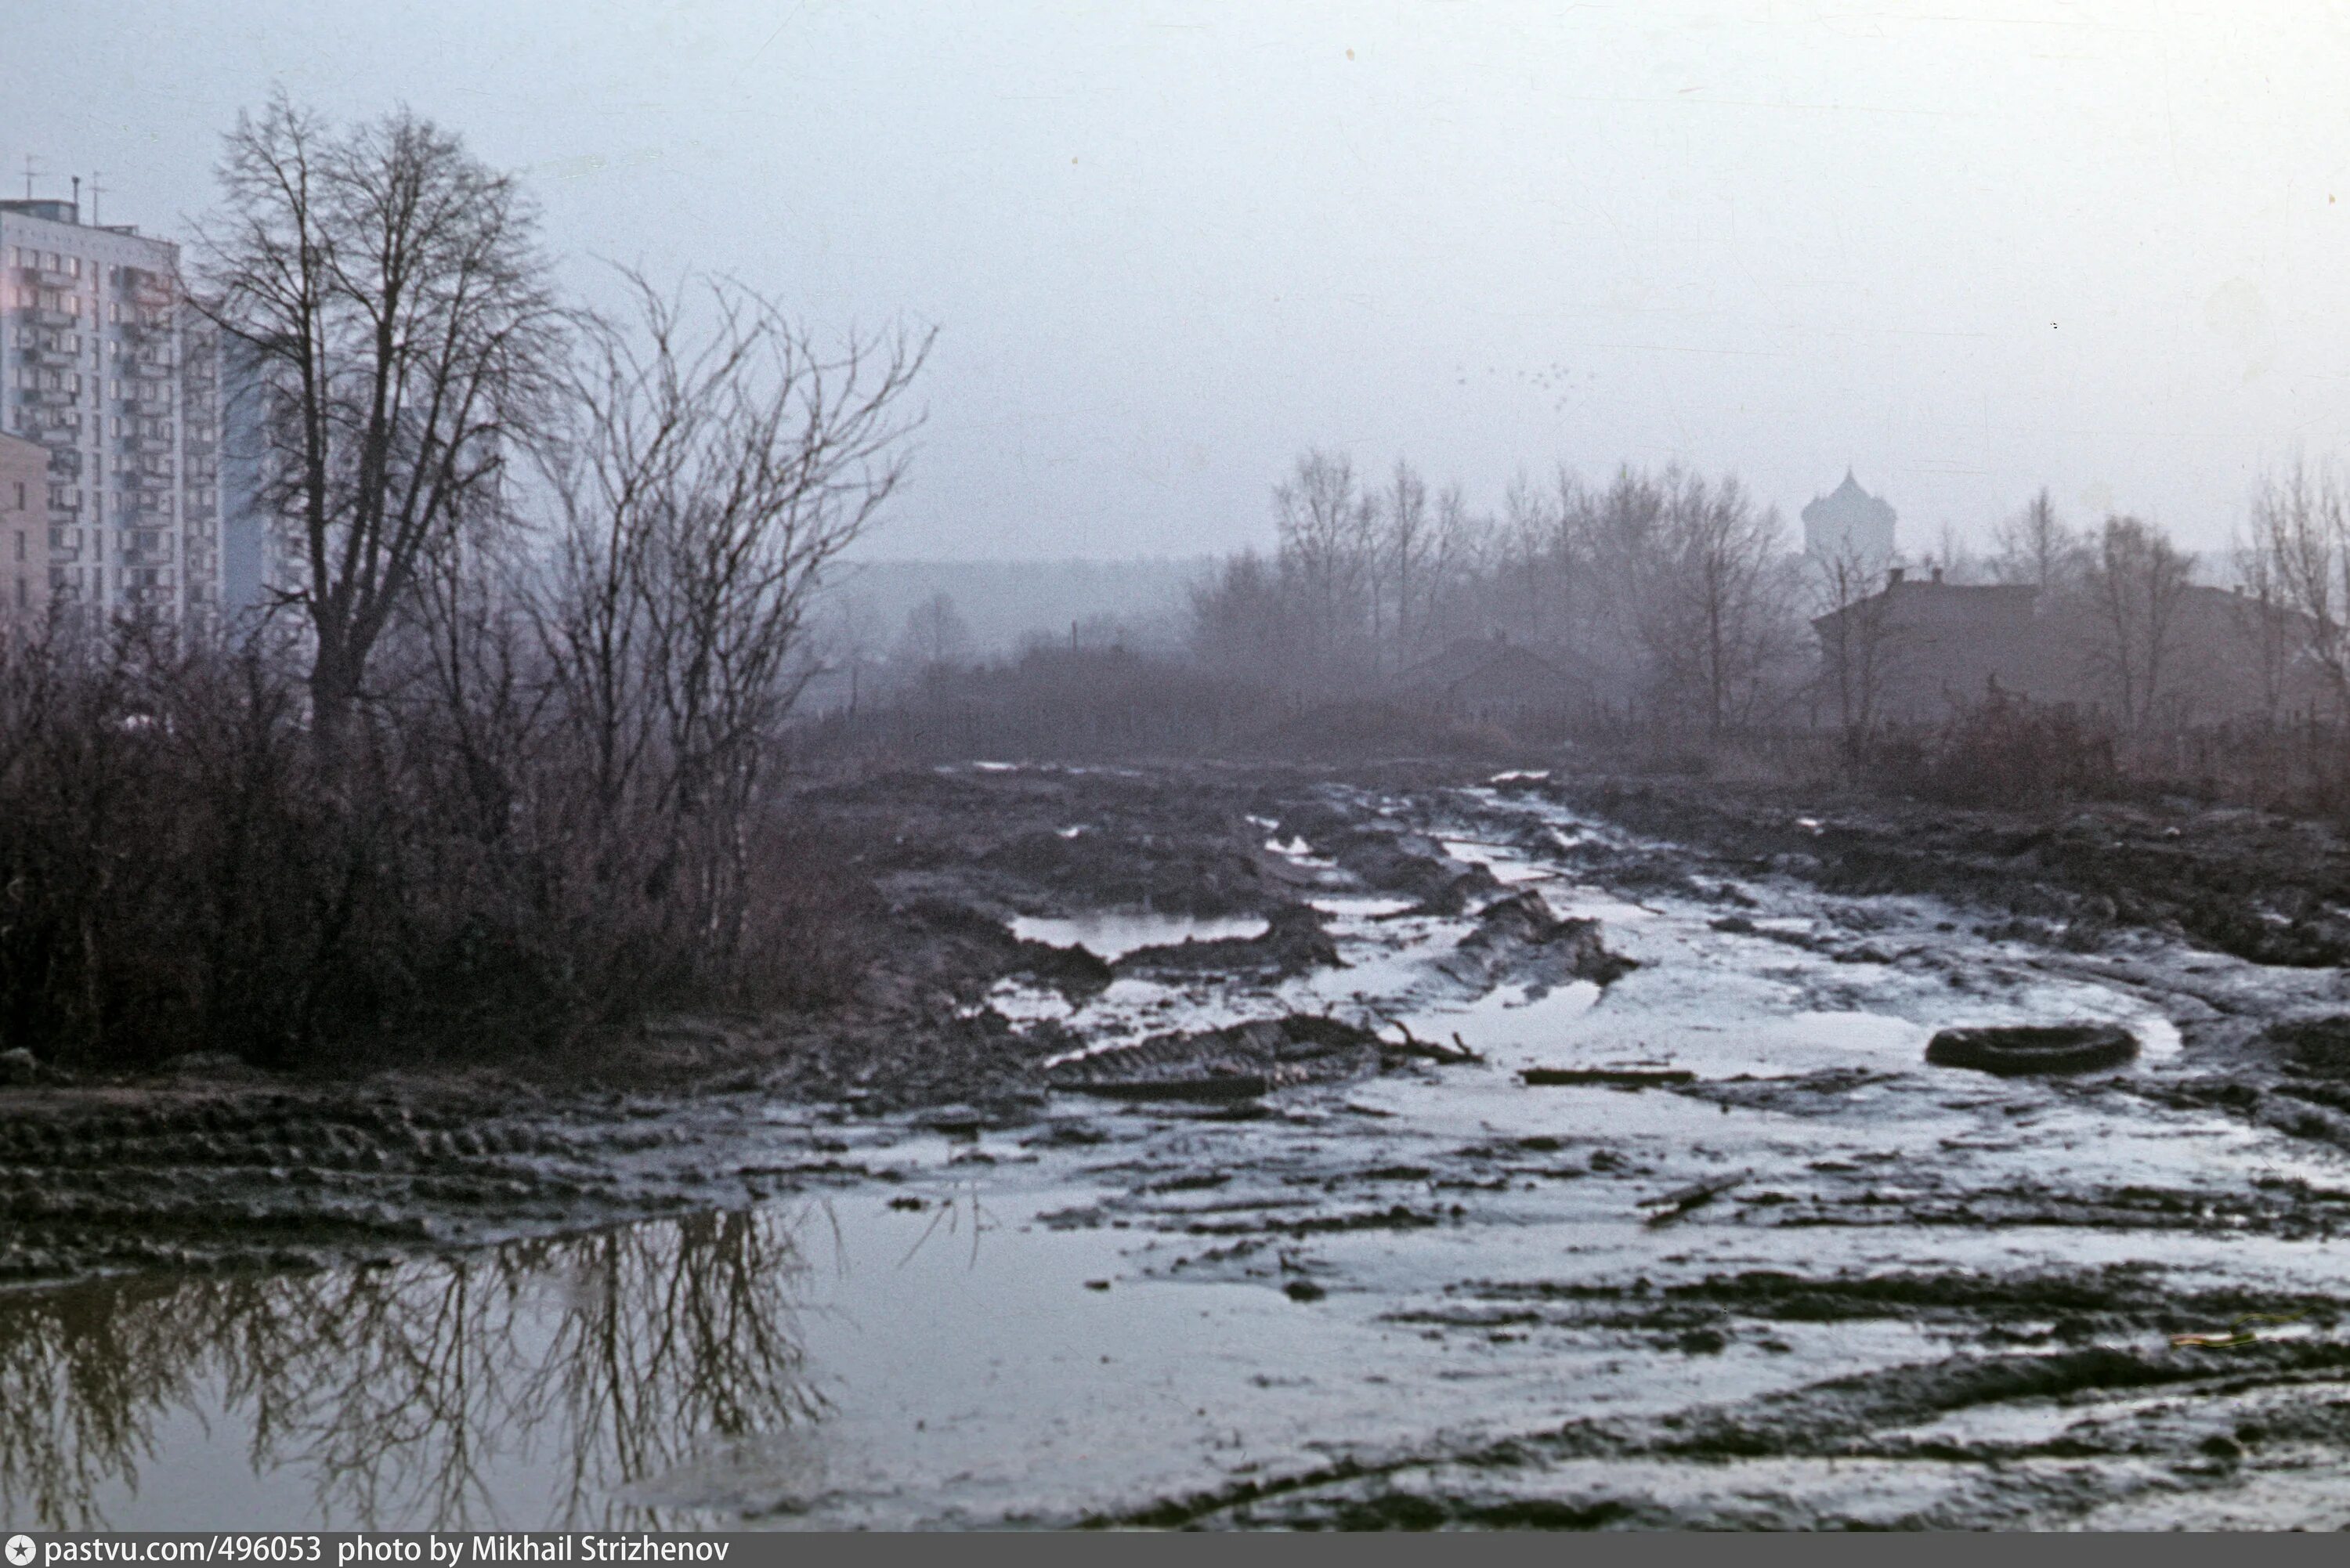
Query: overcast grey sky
1967, 249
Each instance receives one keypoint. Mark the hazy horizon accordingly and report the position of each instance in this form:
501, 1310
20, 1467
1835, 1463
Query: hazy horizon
1168, 247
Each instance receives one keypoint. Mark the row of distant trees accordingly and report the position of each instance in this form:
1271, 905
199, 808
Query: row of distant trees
1669, 583
1682, 595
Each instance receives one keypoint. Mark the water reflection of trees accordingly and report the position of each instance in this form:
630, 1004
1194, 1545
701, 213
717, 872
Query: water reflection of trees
422, 1394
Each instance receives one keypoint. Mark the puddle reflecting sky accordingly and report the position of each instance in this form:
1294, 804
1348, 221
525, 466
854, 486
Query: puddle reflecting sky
1112, 935
524, 1384
934, 1351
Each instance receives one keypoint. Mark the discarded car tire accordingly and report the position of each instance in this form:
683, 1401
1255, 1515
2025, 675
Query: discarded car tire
2015, 1051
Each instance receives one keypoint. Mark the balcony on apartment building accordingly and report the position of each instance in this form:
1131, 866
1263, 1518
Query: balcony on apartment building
153, 369
51, 359
49, 279
148, 290
40, 317
48, 397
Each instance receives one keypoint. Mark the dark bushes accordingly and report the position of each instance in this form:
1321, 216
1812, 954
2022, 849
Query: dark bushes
1060, 704
182, 867
2004, 751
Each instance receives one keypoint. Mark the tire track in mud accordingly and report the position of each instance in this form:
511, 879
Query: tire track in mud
2092, 1462
1821, 1372
1872, 1416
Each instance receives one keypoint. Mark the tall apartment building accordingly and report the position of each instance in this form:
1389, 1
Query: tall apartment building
104, 364
24, 531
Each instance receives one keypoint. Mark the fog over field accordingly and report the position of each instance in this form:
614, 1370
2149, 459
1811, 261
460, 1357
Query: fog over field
1470, 764
1967, 250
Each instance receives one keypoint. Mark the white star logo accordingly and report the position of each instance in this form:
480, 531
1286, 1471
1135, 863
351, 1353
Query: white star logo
20, 1550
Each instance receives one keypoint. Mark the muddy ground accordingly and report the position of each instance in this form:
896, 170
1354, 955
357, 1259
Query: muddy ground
1543, 1149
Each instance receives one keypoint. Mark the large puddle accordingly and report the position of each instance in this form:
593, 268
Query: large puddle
1113, 935
1125, 1305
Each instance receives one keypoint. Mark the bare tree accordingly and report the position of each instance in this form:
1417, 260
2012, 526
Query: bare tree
1860, 642
1717, 619
936, 637
390, 294
1244, 618
716, 462
1323, 520
2135, 587
1406, 535
2035, 547
1952, 557
2264, 616
1526, 537
1618, 537
1456, 551
2301, 536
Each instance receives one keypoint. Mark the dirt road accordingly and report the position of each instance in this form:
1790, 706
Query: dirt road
1230, 1231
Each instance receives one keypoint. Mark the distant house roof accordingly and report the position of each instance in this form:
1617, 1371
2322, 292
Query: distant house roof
1944, 604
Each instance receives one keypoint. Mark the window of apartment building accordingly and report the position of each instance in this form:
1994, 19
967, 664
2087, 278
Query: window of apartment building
20, 497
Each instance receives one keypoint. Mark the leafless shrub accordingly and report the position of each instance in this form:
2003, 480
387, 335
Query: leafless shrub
529, 782
2004, 751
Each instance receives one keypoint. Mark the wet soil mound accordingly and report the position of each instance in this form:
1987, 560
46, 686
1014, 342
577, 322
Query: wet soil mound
2319, 1047
1293, 942
955, 946
1518, 934
2015, 1051
1240, 1063
1411, 866
2265, 888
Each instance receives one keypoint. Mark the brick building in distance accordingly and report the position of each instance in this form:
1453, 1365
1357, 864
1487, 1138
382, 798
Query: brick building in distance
1918, 651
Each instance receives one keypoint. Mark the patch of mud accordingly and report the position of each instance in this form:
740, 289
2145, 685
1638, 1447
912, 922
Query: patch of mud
1242, 1062
1519, 936
1682, 1229
1293, 942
